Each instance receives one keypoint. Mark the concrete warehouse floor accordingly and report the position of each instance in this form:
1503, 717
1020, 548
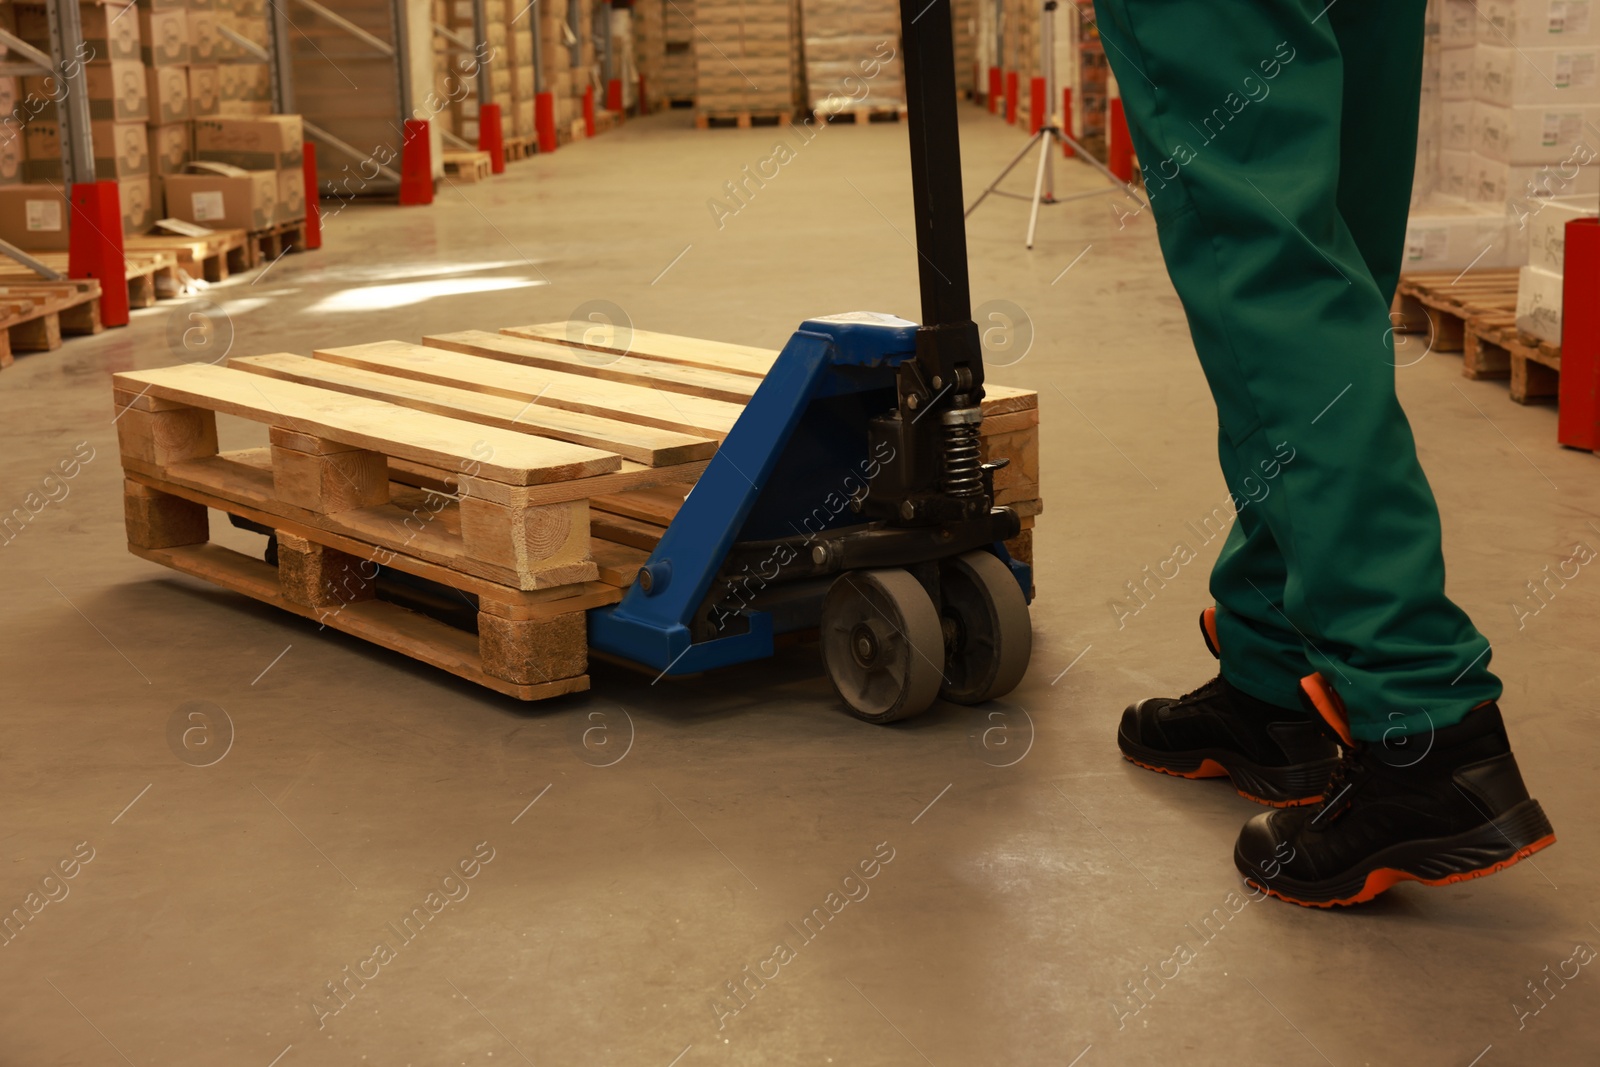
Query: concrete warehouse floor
1020, 884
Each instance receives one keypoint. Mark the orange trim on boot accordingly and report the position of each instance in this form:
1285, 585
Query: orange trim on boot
1328, 705
1386, 878
1208, 630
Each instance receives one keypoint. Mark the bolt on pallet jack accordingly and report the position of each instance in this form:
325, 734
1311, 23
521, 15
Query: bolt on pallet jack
908, 580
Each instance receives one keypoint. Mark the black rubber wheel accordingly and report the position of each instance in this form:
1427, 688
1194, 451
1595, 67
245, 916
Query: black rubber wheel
882, 644
988, 635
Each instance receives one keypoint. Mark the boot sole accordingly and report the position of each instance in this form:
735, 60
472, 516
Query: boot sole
1494, 846
1292, 786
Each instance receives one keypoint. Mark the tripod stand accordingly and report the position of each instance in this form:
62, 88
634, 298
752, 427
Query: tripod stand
1047, 138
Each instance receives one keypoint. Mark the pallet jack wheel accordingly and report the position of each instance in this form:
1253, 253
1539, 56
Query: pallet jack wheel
882, 644
987, 632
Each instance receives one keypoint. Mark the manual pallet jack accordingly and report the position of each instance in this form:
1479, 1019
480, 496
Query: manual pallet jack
910, 585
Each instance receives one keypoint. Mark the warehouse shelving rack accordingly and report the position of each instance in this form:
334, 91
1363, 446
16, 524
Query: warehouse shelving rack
95, 210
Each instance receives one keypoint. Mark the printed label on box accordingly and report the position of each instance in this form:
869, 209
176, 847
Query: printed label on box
44, 215
1575, 70
1561, 127
1569, 17
207, 206
1425, 244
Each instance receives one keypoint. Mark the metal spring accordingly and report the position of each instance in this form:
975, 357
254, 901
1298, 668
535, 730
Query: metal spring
962, 457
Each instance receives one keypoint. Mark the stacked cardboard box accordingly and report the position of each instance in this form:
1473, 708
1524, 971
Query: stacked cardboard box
163, 85
852, 50
1510, 110
650, 51
679, 62
746, 59
1540, 280
507, 53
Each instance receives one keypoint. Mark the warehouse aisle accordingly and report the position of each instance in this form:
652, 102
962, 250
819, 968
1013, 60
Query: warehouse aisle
384, 864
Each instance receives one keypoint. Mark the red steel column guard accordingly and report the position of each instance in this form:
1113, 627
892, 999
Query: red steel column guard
94, 246
491, 137
1578, 423
416, 164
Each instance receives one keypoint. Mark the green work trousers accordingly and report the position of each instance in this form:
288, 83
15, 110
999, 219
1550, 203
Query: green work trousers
1277, 140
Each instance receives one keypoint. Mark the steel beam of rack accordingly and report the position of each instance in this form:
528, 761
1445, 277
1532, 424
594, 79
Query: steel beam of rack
72, 112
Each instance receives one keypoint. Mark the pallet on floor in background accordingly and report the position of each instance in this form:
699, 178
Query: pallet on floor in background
1474, 313
468, 166
34, 315
1493, 347
706, 119
266, 246
863, 115
519, 146
151, 275
1438, 303
606, 121
210, 258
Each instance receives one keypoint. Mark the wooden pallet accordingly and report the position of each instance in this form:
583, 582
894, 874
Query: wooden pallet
520, 147
469, 166
706, 119
1474, 313
151, 275
863, 115
34, 315
210, 258
1438, 303
267, 245
518, 473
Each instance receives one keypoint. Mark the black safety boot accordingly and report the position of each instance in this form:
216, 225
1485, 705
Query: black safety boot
1436, 809
1276, 756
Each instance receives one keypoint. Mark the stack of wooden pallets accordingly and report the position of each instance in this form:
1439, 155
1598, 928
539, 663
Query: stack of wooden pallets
528, 473
34, 314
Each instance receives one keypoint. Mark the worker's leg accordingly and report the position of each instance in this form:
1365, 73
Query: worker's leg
1260, 651
1376, 157
1235, 107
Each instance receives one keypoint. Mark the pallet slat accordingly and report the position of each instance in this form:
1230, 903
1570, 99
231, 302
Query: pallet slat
530, 385
651, 374
513, 458
642, 444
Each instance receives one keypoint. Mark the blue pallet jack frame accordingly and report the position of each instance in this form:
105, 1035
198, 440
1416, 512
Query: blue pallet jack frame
882, 415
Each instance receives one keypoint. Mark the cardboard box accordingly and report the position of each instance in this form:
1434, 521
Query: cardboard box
1547, 230
110, 29
1455, 72
244, 81
117, 91
1538, 133
163, 37
1448, 236
121, 150
1455, 170
270, 142
34, 217
291, 195
223, 197
1564, 76
1492, 181
1538, 22
203, 37
170, 148
204, 95
1455, 125
137, 196
1539, 303
168, 89
10, 161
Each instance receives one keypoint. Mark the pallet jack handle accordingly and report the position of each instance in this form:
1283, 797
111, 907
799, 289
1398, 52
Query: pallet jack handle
949, 338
